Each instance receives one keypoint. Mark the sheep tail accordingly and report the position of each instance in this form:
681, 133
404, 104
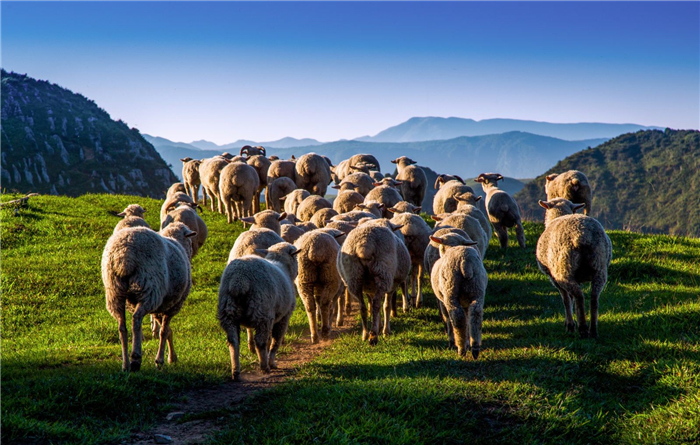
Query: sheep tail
466, 269
365, 251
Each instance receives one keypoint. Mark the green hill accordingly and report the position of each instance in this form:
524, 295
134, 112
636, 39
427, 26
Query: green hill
648, 181
59, 142
533, 382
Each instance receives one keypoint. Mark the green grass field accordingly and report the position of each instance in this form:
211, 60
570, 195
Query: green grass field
533, 382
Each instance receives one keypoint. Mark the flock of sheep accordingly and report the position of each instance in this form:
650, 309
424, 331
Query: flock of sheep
369, 242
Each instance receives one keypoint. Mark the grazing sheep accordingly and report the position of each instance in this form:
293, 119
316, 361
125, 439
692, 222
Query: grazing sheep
293, 199
572, 185
147, 273
209, 173
258, 294
276, 190
574, 249
459, 281
347, 199
405, 207
190, 176
281, 169
290, 233
467, 223
310, 205
252, 151
172, 202
413, 180
444, 201
321, 216
373, 207
267, 219
187, 214
417, 234
133, 217
261, 165
385, 192
432, 253
467, 205
237, 188
502, 209
313, 174
251, 240
318, 281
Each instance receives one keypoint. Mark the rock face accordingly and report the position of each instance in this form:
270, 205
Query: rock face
59, 142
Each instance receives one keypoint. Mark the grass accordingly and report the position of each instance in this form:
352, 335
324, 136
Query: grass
533, 382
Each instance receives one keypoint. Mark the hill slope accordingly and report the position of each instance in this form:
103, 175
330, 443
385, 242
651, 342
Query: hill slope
645, 181
440, 128
56, 141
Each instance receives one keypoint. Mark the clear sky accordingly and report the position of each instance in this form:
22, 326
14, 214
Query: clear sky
222, 71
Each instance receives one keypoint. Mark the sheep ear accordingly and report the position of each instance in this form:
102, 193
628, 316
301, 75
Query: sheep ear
459, 178
121, 214
396, 227
352, 223
293, 158
417, 210
377, 184
395, 161
578, 207
283, 198
282, 216
480, 178
552, 176
436, 239
360, 206
262, 252
478, 198
187, 159
248, 219
190, 234
296, 252
499, 178
436, 218
380, 206
545, 204
392, 210
470, 243
339, 235
191, 204
460, 198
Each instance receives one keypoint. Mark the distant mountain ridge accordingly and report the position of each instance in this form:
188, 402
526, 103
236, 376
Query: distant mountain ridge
441, 128
202, 144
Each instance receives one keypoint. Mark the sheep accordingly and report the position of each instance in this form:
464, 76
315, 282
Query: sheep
574, 249
385, 192
367, 262
353, 216
261, 165
467, 205
258, 293
405, 207
252, 151
190, 176
313, 174
172, 202
147, 273
187, 214
249, 241
347, 199
366, 159
293, 199
467, 223
268, 219
310, 205
444, 200
432, 253
306, 226
417, 234
209, 173
340, 171
290, 233
373, 207
344, 226
321, 216
281, 169
413, 180
377, 176
459, 281
276, 190
572, 185
443, 178
318, 281
176, 187
237, 187
362, 182
502, 209
133, 217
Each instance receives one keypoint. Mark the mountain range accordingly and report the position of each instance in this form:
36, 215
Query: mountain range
287, 142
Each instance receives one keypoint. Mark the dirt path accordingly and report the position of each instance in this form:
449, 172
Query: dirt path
221, 397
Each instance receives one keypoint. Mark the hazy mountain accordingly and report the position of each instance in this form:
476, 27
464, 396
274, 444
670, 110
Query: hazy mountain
440, 128
647, 181
56, 141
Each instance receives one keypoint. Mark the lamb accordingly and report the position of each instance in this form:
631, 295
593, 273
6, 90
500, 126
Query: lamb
252, 151
347, 199
310, 205
172, 202
261, 165
209, 173
147, 273
467, 205
190, 176
258, 294
237, 188
276, 190
574, 249
444, 201
187, 215
459, 281
467, 223
413, 180
432, 253
313, 174
321, 216
293, 199
417, 234
572, 185
373, 207
385, 192
133, 217
268, 219
318, 281
290, 233
502, 209
405, 207
252, 240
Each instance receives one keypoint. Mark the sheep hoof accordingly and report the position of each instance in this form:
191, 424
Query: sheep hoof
159, 363
314, 339
569, 327
386, 333
266, 370
135, 366
461, 352
373, 339
273, 364
251, 347
418, 304
475, 353
365, 335
394, 314
236, 376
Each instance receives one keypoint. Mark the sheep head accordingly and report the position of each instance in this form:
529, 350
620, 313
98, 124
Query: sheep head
558, 207
489, 179
403, 161
469, 198
448, 240
133, 210
187, 159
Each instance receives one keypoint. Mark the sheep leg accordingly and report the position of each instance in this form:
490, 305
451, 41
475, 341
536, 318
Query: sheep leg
502, 233
376, 309
307, 296
256, 202
233, 335
278, 331
363, 315
387, 314
446, 322
579, 304
459, 327
476, 317
407, 300
155, 326
172, 357
326, 318
137, 335
251, 343
195, 190
394, 312
340, 316
219, 204
597, 286
123, 336
348, 303
520, 233
419, 284
204, 197
262, 337
164, 334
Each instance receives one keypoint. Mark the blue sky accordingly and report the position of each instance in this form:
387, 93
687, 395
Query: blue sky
222, 71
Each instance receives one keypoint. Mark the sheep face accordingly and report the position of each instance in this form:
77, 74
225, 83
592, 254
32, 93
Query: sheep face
133, 210
403, 161
558, 207
405, 207
489, 179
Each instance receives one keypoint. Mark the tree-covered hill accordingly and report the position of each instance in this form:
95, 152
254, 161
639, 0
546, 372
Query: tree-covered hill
59, 142
648, 181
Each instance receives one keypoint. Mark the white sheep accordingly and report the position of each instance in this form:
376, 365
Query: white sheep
385, 192
572, 185
347, 199
276, 190
238, 185
209, 173
190, 177
171, 202
268, 219
413, 180
502, 209
133, 217
248, 242
417, 235
467, 223
313, 174
467, 204
293, 199
261, 165
310, 205
186, 213
444, 200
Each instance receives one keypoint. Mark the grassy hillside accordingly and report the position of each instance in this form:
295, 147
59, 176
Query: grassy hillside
646, 181
533, 383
